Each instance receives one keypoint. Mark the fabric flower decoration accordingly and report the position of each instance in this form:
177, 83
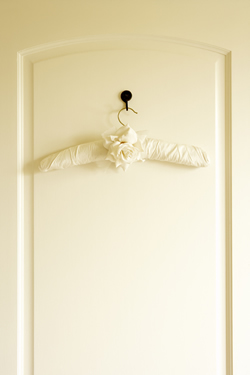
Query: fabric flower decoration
124, 146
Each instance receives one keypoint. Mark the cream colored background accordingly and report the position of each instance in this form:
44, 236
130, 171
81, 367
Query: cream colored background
129, 258
26, 24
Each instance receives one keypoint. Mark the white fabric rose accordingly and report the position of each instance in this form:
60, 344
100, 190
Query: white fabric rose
124, 146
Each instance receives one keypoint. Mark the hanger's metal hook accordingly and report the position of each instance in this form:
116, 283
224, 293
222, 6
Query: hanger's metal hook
126, 110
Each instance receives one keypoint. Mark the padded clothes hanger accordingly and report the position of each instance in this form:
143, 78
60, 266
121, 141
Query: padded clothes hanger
125, 146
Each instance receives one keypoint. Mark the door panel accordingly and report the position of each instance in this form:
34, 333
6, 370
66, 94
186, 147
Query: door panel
129, 268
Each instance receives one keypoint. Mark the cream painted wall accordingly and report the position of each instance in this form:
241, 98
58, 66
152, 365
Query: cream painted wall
222, 23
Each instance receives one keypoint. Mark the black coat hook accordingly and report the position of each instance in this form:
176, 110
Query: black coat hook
126, 96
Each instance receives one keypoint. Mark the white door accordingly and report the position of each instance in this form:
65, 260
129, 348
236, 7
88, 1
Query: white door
108, 272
